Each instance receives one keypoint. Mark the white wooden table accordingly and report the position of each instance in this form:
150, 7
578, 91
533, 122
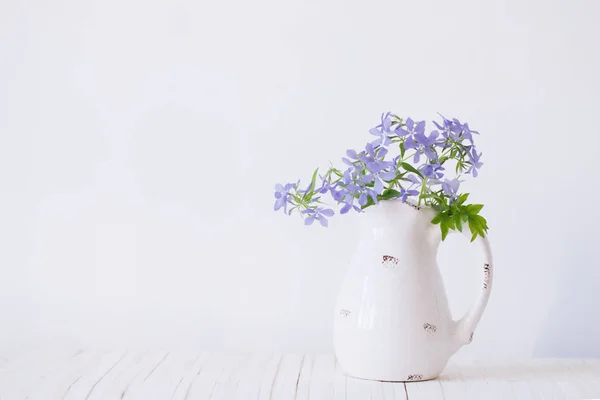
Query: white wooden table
147, 375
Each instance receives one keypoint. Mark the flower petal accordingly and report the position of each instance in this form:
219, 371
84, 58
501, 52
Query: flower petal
346, 208
323, 221
410, 143
309, 220
362, 200
387, 122
402, 132
387, 175
278, 204
413, 179
378, 186
328, 212
375, 132
420, 128
374, 167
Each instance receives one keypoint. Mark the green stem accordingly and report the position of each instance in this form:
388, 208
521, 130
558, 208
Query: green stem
422, 190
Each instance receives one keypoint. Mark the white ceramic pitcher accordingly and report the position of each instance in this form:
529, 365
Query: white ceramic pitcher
392, 319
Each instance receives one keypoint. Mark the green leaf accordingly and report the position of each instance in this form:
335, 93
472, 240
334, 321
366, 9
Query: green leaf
446, 224
437, 219
445, 231
474, 209
481, 222
314, 178
309, 193
443, 159
459, 167
388, 194
410, 168
462, 198
474, 227
369, 203
457, 222
402, 150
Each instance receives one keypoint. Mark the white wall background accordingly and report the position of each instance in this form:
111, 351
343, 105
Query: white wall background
140, 142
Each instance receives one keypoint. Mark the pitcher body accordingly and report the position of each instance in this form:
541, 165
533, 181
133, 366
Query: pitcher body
392, 319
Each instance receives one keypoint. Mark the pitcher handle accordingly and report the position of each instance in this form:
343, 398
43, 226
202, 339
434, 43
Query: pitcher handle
467, 324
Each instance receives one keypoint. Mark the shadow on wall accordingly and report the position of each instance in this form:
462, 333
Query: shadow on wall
572, 328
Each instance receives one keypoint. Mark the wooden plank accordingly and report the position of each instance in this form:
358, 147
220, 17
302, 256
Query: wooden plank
305, 377
55, 384
268, 377
357, 389
183, 386
346, 387
424, 390
452, 384
228, 384
588, 375
340, 382
321, 385
249, 386
285, 386
115, 384
84, 385
147, 375
124, 380
25, 376
164, 378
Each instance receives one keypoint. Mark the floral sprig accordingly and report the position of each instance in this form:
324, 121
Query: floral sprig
374, 174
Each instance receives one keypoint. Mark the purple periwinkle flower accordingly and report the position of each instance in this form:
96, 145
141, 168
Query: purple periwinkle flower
349, 206
411, 128
353, 186
369, 174
450, 187
319, 214
326, 186
454, 129
373, 158
476, 164
382, 130
467, 132
282, 196
449, 129
416, 180
432, 171
377, 169
366, 193
422, 143
404, 193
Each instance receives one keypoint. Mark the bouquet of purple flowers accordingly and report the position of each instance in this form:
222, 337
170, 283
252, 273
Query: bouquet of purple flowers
416, 169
